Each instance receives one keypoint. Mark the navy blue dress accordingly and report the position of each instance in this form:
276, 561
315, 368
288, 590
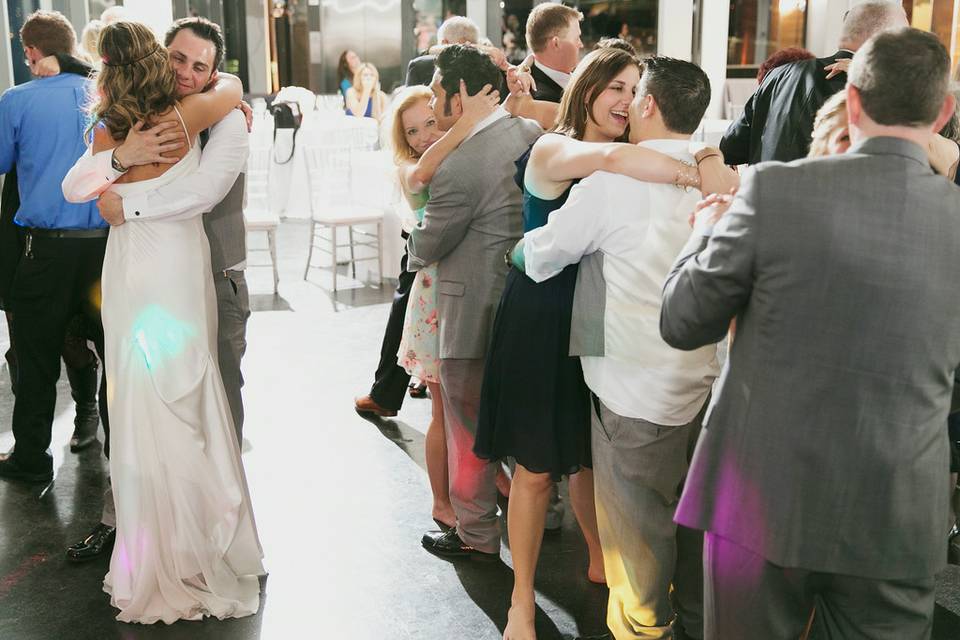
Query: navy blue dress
535, 406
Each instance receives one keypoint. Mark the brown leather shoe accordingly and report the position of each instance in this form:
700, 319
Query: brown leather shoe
366, 404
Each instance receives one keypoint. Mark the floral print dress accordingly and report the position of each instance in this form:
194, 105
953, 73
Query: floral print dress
419, 351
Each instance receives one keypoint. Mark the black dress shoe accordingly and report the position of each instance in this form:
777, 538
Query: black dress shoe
100, 540
11, 469
447, 544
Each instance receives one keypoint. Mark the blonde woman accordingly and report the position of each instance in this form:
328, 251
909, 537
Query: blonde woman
419, 148
88, 43
365, 99
186, 543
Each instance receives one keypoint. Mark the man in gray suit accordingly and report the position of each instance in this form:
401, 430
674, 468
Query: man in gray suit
821, 472
215, 189
472, 219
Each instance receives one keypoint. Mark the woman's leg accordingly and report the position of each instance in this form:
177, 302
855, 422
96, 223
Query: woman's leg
436, 457
581, 495
529, 494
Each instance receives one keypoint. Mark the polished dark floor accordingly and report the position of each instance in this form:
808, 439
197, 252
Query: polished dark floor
340, 502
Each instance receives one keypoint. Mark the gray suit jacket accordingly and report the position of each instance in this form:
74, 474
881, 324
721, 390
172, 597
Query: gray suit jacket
826, 447
473, 217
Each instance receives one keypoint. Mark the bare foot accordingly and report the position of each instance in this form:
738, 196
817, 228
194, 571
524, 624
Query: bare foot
445, 515
520, 622
503, 483
596, 574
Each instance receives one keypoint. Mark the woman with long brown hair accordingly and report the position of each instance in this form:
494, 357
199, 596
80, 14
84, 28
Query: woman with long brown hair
535, 404
186, 542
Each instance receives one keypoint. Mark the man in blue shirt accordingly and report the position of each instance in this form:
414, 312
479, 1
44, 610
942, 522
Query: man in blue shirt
41, 132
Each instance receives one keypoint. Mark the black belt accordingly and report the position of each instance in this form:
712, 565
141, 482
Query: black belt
69, 233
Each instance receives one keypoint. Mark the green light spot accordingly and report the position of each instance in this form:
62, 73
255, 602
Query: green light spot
160, 336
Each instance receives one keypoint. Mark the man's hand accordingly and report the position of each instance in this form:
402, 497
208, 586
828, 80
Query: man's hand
111, 208
247, 113
46, 67
709, 211
146, 147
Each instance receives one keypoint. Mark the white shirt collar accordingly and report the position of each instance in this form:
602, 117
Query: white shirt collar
561, 78
498, 114
668, 145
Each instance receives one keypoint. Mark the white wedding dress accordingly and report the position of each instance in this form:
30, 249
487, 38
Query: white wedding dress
187, 544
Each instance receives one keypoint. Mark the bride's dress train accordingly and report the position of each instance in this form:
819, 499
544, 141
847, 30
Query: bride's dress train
187, 544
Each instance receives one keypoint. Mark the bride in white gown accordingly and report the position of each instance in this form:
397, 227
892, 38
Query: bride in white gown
186, 544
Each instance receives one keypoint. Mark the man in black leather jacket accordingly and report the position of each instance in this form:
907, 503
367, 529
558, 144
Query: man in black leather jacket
777, 120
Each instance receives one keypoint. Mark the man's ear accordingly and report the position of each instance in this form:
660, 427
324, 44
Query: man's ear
946, 112
649, 107
854, 106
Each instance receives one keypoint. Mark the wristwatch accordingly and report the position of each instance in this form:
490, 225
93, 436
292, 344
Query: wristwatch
116, 163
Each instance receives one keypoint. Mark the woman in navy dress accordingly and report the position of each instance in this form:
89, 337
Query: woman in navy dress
534, 404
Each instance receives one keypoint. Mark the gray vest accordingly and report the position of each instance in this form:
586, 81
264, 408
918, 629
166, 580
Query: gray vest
589, 305
224, 225
225, 229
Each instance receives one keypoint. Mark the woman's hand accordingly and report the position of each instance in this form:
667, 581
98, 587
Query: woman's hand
519, 79
479, 106
46, 67
716, 177
367, 83
838, 67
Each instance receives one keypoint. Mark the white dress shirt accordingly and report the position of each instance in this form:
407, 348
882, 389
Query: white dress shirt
640, 228
222, 160
561, 78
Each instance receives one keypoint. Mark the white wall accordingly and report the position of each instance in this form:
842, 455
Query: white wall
258, 42
675, 29
6, 64
153, 13
713, 51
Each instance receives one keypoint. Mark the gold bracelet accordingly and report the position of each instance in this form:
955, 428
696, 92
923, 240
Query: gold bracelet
687, 177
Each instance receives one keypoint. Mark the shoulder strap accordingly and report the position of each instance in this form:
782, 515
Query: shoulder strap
184, 125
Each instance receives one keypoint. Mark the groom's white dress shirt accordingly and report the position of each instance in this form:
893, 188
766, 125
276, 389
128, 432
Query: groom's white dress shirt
639, 227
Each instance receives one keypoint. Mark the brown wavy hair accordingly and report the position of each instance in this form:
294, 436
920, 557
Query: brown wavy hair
136, 82
597, 69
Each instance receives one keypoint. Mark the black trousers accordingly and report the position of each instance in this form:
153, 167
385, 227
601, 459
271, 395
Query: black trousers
56, 280
391, 380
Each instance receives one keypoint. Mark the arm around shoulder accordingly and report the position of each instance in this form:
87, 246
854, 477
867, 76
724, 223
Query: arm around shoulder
202, 110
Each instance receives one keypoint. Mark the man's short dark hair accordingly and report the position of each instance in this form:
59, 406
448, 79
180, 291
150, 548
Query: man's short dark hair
902, 77
681, 89
202, 28
465, 62
50, 32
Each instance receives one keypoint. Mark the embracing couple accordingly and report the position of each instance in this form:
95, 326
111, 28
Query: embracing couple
186, 542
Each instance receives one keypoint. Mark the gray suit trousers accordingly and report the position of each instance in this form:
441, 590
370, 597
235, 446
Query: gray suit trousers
749, 597
638, 472
473, 491
233, 311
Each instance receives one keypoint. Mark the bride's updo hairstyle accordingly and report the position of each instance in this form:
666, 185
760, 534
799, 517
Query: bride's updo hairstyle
136, 81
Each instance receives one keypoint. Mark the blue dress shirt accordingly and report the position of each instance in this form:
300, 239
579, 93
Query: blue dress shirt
41, 132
